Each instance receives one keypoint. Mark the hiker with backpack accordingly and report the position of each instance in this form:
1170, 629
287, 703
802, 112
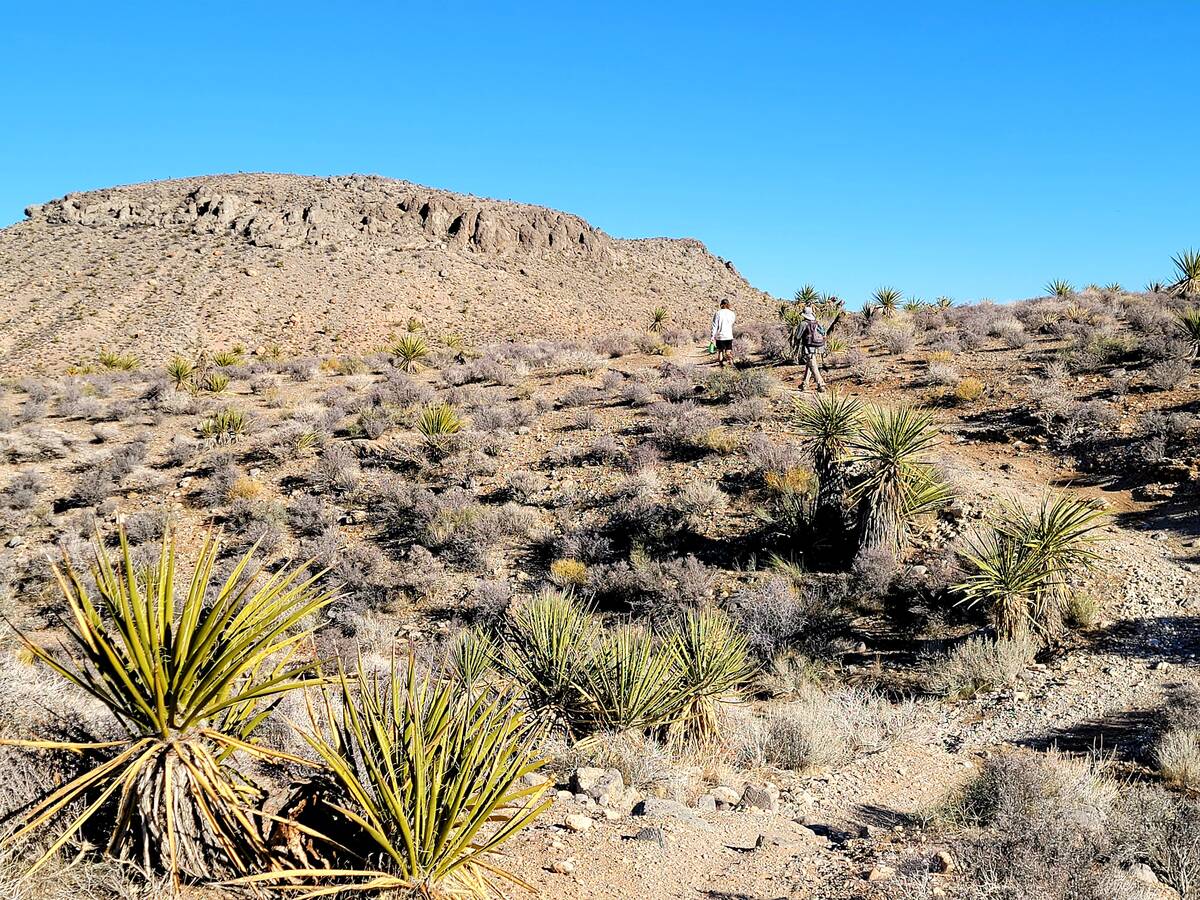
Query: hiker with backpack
812, 348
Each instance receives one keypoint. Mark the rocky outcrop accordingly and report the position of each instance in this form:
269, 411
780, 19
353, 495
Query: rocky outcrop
289, 212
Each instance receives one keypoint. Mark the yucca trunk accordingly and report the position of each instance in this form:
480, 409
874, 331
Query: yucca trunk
831, 511
880, 526
211, 841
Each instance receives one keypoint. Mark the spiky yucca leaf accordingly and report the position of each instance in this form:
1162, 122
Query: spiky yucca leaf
807, 295
826, 424
1021, 566
216, 382
1060, 288
1189, 321
410, 353
1187, 274
887, 299
632, 682
472, 656
430, 780
227, 358
549, 647
189, 679
894, 482
658, 318
943, 303
180, 371
437, 423
713, 661
122, 362
225, 426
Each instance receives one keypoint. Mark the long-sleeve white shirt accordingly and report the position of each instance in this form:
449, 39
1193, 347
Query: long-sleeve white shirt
722, 326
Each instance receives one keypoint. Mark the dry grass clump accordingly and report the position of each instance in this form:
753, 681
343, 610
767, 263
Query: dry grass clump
981, 664
819, 730
1177, 750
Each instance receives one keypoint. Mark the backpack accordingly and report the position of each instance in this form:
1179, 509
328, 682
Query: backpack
815, 335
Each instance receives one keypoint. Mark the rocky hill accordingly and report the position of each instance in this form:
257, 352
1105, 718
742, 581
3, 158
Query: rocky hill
325, 265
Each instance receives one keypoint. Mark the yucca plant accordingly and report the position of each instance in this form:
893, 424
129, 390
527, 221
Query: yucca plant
437, 423
887, 299
894, 481
189, 679
1156, 287
1060, 288
632, 683
1020, 567
1114, 287
836, 345
414, 325
225, 426
916, 304
410, 352
1187, 274
713, 662
472, 656
826, 425
549, 646
216, 382
943, 303
658, 319
227, 358
452, 341
426, 780
1189, 321
180, 371
122, 362
807, 295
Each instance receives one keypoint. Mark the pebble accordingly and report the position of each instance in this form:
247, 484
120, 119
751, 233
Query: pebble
578, 822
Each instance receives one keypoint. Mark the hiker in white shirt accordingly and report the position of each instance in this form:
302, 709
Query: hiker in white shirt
722, 333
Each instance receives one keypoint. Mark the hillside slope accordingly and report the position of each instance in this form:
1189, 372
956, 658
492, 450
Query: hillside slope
325, 265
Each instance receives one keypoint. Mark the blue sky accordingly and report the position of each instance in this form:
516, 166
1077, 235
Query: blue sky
970, 149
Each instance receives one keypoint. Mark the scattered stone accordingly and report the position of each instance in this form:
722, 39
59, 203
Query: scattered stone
578, 822
653, 834
707, 803
881, 873
726, 796
943, 862
765, 797
563, 866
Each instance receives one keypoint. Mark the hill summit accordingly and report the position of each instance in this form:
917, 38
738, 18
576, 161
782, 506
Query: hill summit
326, 265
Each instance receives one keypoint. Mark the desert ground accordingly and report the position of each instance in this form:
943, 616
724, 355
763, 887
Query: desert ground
946, 611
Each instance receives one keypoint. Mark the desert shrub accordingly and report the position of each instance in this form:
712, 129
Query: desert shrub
309, 515
698, 501
579, 362
1168, 374
149, 525
894, 337
745, 412
654, 588
1040, 827
941, 373
337, 469
94, 485
1011, 332
728, 385
34, 389
982, 664
968, 390
22, 490
764, 455
1162, 830
615, 344
568, 572
775, 615
678, 426
677, 389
